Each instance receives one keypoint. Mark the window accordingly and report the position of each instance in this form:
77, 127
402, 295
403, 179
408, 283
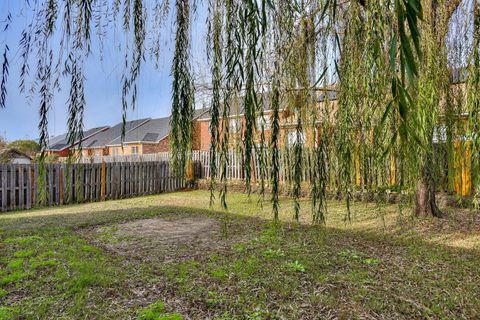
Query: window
233, 125
263, 120
292, 138
135, 150
115, 151
440, 134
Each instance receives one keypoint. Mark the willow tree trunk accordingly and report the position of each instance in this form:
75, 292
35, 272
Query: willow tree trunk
425, 202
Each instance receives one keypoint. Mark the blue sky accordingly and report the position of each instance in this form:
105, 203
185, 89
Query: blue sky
103, 81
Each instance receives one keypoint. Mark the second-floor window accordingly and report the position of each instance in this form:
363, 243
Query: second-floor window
233, 126
294, 138
263, 120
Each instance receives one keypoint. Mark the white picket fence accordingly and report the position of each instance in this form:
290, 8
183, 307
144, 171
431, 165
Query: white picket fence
235, 163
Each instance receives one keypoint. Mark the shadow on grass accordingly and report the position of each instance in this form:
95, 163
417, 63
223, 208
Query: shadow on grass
89, 215
356, 264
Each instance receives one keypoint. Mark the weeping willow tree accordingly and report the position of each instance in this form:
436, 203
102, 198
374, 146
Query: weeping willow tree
473, 105
388, 59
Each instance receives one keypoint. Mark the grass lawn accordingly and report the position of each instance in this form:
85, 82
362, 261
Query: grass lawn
170, 256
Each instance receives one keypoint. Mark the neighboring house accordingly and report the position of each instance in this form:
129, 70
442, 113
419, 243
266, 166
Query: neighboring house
59, 145
151, 136
327, 102
97, 144
13, 156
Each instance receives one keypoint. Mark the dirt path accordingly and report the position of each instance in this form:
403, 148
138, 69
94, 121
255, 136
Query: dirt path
166, 238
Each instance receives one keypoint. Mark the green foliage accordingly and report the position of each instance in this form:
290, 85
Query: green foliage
358, 256
182, 90
14, 277
215, 33
271, 253
28, 147
473, 106
3, 293
214, 299
3, 143
295, 266
156, 311
6, 313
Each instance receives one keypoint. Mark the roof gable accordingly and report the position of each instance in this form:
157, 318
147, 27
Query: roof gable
106, 137
60, 142
151, 131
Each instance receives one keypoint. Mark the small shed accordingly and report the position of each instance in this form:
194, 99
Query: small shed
13, 156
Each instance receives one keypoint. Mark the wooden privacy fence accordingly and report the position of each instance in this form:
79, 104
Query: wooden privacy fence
20, 186
235, 168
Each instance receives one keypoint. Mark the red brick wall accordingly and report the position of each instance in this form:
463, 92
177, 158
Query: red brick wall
162, 146
234, 138
61, 153
197, 130
204, 135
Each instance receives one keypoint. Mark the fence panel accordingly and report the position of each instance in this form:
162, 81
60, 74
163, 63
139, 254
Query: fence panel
21, 186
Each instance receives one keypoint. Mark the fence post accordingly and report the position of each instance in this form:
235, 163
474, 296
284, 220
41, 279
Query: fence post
21, 186
103, 183
28, 189
59, 184
13, 179
3, 186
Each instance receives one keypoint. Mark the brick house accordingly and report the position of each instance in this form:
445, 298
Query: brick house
97, 144
152, 136
288, 121
59, 145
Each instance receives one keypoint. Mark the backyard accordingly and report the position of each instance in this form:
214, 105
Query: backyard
170, 256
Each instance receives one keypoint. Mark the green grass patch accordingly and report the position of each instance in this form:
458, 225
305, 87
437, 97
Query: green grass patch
156, 311
72, 262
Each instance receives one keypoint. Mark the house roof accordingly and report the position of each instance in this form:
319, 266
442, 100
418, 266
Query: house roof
105, 137
151, 131
458, 75
329, 95
10, 153
60, 142
233, 112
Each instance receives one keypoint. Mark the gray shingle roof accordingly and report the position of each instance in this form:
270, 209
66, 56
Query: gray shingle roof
330, 95
233, 112
458, 75
151, 137
151, 131
60, 142
104, 138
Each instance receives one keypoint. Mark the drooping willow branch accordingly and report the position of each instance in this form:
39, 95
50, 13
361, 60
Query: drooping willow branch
473, 103
130, 79
215, 33
182, 90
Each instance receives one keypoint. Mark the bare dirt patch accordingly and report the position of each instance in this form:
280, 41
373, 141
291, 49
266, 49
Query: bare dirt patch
167, 238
